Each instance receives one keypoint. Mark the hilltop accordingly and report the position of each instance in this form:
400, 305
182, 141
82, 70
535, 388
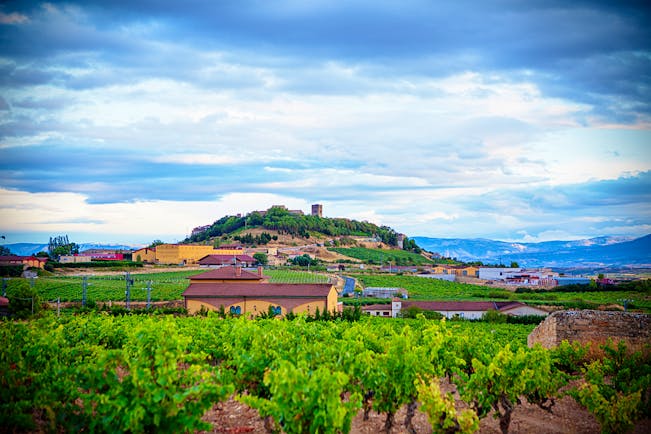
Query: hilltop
280, 227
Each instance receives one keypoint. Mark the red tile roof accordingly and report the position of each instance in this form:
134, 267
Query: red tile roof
228, 273
224, 259
309, 290
377, 307
463, 305
22, 258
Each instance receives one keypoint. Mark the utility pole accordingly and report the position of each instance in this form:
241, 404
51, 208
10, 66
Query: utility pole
626, 301
84, 291
129, 281
149, 294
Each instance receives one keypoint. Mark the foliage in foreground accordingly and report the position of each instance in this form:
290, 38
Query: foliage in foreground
139, 374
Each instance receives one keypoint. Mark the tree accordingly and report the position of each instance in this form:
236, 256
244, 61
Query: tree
155, 243
59, 246
304, 260
23, 299
515, 264
4, 251
261, 258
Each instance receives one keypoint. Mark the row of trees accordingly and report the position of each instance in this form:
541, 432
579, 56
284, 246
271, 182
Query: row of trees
60, 246
262, 239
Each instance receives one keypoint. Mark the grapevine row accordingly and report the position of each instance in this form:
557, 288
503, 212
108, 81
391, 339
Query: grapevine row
162, 374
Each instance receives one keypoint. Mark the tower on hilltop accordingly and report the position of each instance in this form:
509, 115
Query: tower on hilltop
317, 210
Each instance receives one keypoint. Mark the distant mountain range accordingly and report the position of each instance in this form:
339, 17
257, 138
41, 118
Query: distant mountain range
26, 249
588, 253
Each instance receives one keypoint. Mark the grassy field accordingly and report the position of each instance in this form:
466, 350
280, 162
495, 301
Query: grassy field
291, 276
381, 256
164, 285
432, 289
170, 286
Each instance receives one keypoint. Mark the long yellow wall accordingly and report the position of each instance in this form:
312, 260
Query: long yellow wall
256, 307
251, 307
188, 254
146, 255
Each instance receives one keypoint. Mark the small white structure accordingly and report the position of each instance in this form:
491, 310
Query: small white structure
74, 259
489, 273
379, 292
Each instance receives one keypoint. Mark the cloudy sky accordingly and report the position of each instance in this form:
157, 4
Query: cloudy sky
127, 121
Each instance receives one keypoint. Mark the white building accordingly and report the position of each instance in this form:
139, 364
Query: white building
519, 276
450, 309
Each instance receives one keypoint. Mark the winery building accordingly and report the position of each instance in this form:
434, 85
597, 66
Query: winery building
241, 292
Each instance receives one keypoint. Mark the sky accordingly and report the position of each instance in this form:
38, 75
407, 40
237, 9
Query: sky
129, 121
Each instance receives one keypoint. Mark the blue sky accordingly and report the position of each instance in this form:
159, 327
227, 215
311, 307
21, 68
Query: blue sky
127, 121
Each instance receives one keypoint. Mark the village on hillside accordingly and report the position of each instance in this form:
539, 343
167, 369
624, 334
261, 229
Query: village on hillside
234, 279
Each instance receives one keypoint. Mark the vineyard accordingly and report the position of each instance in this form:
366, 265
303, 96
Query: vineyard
102, 373
164, 286
432, 289
380, 256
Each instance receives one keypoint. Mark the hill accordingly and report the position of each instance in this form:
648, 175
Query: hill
284, 222
593, 252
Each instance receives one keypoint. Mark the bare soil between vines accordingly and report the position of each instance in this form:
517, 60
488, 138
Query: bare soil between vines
233, 417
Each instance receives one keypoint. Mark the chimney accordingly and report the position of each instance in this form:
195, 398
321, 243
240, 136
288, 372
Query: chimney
238, 271
260, 270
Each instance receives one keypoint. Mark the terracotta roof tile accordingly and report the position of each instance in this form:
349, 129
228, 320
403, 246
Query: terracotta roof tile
462, 305
227, 273
258, 290
224, 259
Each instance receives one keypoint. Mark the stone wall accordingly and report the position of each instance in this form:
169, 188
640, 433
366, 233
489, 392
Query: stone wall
592, 326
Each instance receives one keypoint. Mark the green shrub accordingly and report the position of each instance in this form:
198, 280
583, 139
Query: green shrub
11, 270
495, 317
23, 299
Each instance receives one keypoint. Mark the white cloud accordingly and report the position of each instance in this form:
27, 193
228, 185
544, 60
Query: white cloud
54, 213
423, 147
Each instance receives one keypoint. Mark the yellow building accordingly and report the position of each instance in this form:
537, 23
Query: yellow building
144, 255
188, 254
244, 293
254, 299
457, 270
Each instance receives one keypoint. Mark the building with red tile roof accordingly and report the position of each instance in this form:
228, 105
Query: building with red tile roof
253, 299
232, 274
27, 261
242, 292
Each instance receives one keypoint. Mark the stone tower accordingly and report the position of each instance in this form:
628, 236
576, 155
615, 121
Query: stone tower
317, 210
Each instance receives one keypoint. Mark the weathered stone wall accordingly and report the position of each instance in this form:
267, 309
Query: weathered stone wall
592, 326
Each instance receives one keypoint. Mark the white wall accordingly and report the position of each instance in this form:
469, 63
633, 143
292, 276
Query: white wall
496, 273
